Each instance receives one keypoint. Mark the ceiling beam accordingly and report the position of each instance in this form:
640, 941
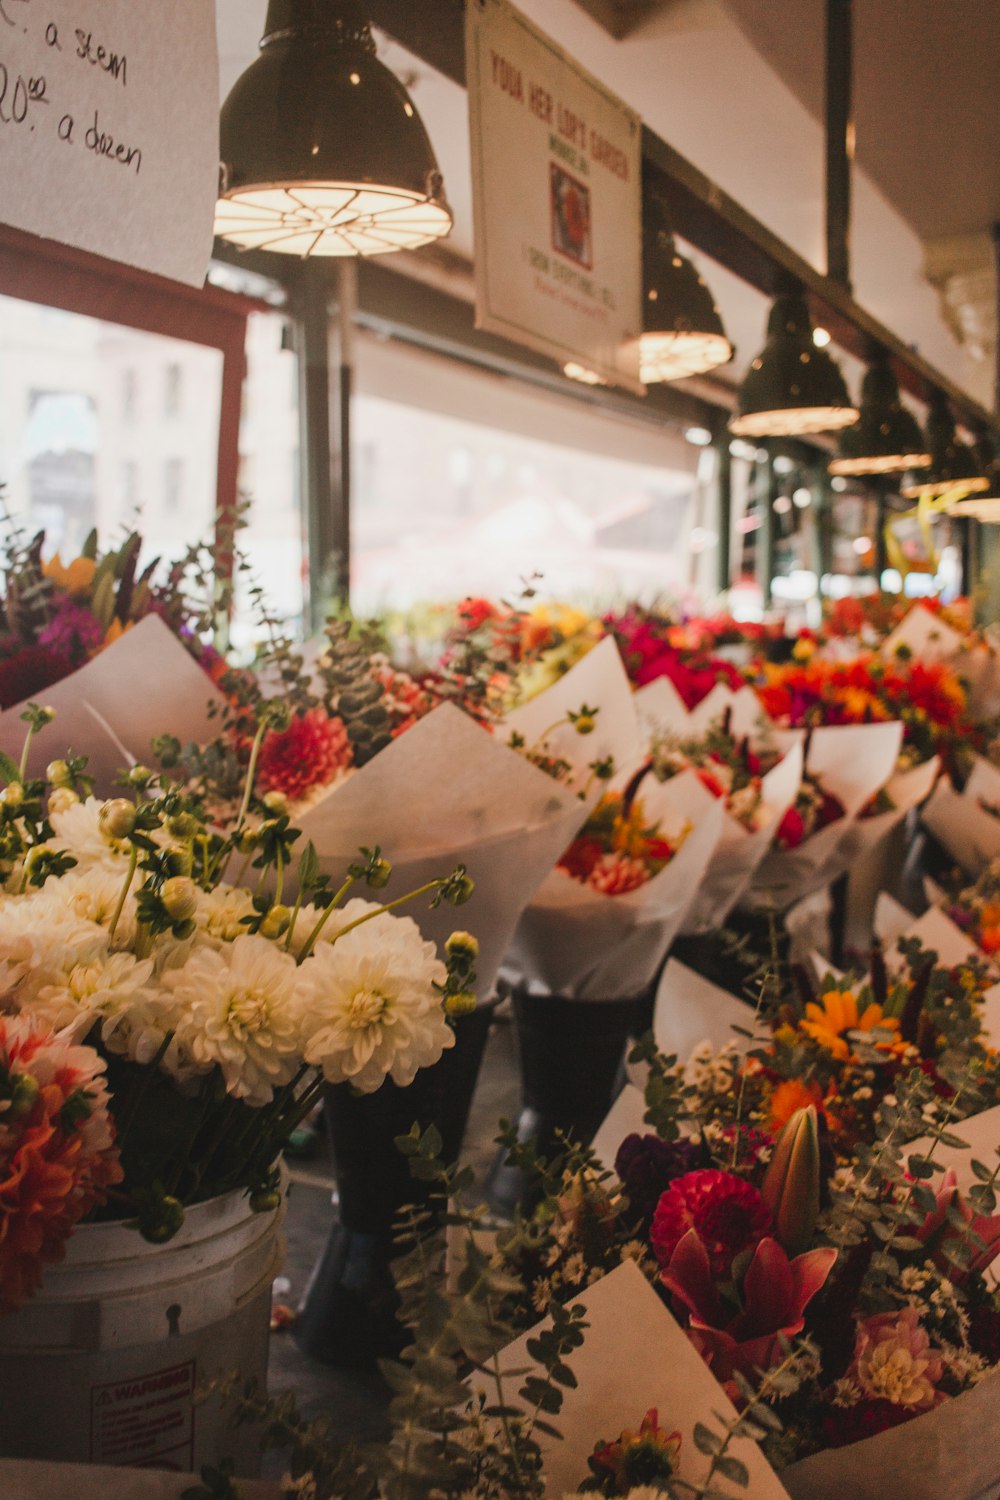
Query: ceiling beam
706, 216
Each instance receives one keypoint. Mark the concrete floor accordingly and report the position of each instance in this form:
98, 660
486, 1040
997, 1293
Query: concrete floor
354, 1401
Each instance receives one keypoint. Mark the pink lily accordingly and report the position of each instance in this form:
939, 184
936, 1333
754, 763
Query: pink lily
937, 1233
775, 1294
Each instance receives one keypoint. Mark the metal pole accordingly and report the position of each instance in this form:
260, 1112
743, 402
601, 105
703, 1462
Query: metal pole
839, 139
312, 308
348, 306
724, 509
881, 488
769, 538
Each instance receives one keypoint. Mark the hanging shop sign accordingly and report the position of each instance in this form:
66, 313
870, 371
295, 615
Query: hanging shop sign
109, 128
557, 193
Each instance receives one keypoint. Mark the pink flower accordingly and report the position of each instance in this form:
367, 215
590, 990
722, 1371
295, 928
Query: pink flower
775, 1294
728, 1214
941, 1237
617, 874
894, 1361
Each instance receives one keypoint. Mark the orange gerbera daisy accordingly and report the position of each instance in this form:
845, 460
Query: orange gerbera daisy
836, 1014
790, 1095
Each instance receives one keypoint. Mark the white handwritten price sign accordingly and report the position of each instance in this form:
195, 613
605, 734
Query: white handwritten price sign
556, 166
109, 116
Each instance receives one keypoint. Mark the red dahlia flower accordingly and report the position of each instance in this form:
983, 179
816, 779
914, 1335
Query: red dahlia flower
309, 754
728, 1215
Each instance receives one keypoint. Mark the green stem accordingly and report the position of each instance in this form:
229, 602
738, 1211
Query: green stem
311, 940
432, 885
251, 774
133, 861
22, 769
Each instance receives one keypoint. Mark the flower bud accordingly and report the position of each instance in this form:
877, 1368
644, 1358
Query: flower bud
792, 1180
139, 776
584, 723
180, 898
61, 799
116, 818
158, 1221
277, 803
22, 1100
247, 841
459, 889
461, 1004
378, 874
276, 922
12, 795
462, 945
183, 826
58, 772
265, 1201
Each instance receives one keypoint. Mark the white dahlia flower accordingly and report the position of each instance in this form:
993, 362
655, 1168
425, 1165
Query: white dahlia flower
373, 1010
239, 1008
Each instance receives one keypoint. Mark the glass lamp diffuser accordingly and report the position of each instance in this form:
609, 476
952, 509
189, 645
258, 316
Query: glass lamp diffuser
953, 470
322, 151
792, 388
682, 330
886, 438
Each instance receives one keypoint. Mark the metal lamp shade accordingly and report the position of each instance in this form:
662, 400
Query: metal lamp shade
682, 330
886, 438
954, 470
322, 150
792, 388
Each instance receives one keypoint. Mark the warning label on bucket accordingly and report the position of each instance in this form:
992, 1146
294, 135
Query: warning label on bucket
146, 1420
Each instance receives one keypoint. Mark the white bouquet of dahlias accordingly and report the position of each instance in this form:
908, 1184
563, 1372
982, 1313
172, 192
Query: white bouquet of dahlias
219, 1010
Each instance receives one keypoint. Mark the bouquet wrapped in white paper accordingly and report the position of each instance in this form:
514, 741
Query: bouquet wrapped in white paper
727, 766
845, 765
967, 823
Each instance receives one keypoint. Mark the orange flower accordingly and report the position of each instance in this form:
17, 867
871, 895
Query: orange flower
790, 1095
75, 578
836, 1014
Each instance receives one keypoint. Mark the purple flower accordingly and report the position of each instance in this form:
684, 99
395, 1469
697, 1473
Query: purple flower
647, 1166
73, 632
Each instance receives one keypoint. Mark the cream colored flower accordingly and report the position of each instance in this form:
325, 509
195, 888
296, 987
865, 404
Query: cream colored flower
77, 829
105, 986
221, 911
373, 1010
239, 1008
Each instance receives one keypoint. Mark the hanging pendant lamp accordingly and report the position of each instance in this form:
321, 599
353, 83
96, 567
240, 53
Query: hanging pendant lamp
982, 507
682, 330
792, 388
322, 151
953, 470
886, 439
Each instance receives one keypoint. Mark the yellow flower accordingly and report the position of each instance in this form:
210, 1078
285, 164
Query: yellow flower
836, 1014
75, 579
803, 649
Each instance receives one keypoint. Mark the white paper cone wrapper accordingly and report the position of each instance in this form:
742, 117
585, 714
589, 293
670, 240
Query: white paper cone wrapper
443, 793
950, 1453
576, 942
907, 790
739, 852
599, 680
979, 668
927, 637
143, 685
635, 1356
690, 1010
624, 1118
959, 821
852, 761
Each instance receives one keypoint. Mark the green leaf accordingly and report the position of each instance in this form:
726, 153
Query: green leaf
706, 1441
733, 1469
9, 769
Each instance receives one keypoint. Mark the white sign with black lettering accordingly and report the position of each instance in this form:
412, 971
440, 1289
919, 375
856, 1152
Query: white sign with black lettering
109, 120
556, 169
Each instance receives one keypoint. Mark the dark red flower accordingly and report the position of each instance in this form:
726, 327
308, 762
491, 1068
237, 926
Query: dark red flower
729, 1215
30, 672
852, 1424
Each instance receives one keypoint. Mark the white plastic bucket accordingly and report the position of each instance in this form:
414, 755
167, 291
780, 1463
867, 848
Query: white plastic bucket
102, 1365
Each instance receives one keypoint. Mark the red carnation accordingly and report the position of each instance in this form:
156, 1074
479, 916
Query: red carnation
729, 1215
582, 856
310, 753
